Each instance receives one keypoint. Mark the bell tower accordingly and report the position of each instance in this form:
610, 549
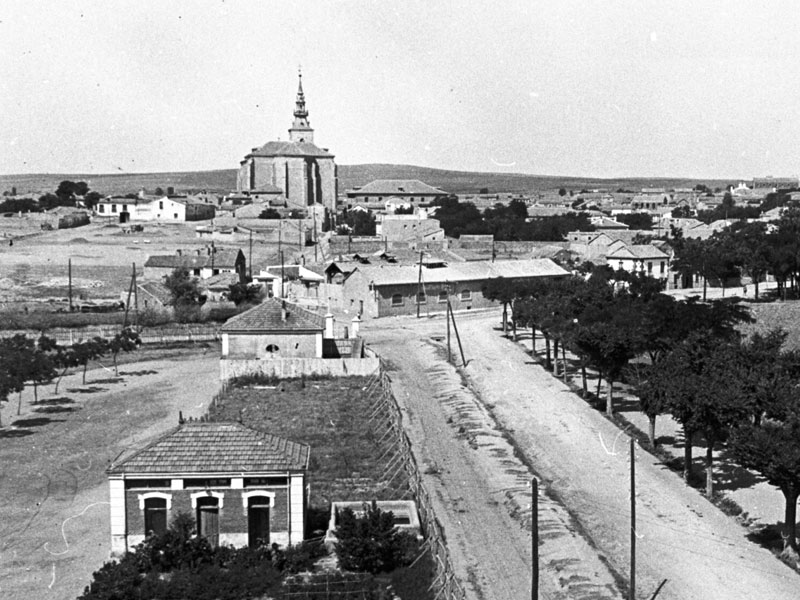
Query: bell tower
301, 130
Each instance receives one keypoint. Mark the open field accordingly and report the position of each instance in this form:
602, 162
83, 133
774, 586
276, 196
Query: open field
224, 180
330, 415
36, 267
54, 520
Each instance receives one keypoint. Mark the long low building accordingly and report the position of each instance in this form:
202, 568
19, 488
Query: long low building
381, 291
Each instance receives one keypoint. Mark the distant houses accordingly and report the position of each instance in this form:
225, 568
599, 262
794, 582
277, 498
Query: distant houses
201, 262
398, 191
165, 209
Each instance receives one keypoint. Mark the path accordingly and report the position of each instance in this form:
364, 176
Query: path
583, 458
54, 523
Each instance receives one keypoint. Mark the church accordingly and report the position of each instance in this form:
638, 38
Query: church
303, 172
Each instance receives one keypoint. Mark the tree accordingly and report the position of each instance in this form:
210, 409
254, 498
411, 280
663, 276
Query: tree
370, 543
184, 288
243, 293
641, 220
13, 366
90, 350
126, 340
773, 449
360, 222
562, 192
91, 199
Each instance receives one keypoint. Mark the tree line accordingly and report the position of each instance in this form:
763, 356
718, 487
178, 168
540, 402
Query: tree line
24, 360
683, 358
752, 248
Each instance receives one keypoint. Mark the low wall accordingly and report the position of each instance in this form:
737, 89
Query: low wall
295, 367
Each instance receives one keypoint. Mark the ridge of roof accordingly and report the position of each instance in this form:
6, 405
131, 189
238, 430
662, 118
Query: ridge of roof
268, 316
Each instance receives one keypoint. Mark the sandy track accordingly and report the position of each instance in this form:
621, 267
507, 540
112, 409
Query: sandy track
54, 523
583, 458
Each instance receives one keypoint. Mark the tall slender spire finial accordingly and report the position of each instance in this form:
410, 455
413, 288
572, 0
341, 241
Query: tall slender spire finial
301, 128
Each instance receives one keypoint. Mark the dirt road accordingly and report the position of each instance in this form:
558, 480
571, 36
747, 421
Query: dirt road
583, 459
54, 519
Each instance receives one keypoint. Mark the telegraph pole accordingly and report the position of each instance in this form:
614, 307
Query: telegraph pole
250, 260
419, 281
534, 539
69, 277
633, 525
281, 274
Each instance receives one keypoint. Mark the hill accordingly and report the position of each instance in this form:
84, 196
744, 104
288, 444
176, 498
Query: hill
350, 176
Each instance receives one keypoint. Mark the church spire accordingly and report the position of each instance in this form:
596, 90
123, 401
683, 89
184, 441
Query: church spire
301, 129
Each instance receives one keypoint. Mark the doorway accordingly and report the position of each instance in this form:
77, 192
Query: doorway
257, 521
208, 519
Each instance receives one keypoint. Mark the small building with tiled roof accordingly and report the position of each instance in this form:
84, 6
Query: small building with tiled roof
412, 190
273, 329
301, 171
243, 486
200, 262
640, 258
164, 208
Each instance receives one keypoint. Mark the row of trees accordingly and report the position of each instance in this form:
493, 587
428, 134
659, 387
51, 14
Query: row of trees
24, 360
686, 359
750, 248
506, 222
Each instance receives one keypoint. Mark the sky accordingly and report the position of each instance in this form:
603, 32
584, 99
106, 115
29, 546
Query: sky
617, 88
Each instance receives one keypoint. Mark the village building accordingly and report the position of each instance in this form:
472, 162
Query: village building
242, 486
379, 191
166, 208
640, 258
302, 172
283, 339
201, 262
380, 291
409, 228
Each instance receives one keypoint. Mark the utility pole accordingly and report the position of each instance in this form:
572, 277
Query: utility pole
135, 298
69, 277
250, 260
281, 274
447, 318
633, 525
314, 231
534, 539
419, 281
458, 338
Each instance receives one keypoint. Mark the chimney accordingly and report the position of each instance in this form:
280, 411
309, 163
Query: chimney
179, 251
329, 321
283, 311
303, 260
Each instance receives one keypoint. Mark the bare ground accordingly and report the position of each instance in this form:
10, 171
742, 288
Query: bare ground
582, 457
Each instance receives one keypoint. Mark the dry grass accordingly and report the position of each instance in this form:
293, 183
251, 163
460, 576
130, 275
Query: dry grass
330, 415
773, 315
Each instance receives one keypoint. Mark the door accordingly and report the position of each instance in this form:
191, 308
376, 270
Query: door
208, 519
257, 520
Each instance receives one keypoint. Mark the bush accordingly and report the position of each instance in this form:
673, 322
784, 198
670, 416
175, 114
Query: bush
372, 543
300, 557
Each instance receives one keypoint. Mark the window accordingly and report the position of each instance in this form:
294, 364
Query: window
397, 300
160, 205
620, 265
174, 215
196, 272
113, 208
264, 481
147, 484
271, 348
155, 516
663, 265
466, 295
650, 267
207, 518
442, 297
421, 299
124, 207
101, 208
206, 483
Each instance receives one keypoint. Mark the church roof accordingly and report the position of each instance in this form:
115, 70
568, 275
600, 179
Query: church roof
289, 149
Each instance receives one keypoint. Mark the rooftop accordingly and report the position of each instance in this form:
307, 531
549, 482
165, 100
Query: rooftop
198, 447
269, 316
393, 187
289, 149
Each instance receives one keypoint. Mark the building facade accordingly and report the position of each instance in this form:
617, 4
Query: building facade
303, 172
242, 486
168, 208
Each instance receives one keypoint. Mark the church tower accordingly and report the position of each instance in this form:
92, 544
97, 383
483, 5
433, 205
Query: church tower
301, 130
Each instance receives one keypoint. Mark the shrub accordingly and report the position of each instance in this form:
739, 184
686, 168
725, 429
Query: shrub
372, 543
300, 557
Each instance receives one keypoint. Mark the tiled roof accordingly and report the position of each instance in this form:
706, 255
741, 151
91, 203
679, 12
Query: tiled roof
221, 281
222, 258
639, 251
289, 149
157, 290
392, 187
462, 271
268, 316
215, 448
